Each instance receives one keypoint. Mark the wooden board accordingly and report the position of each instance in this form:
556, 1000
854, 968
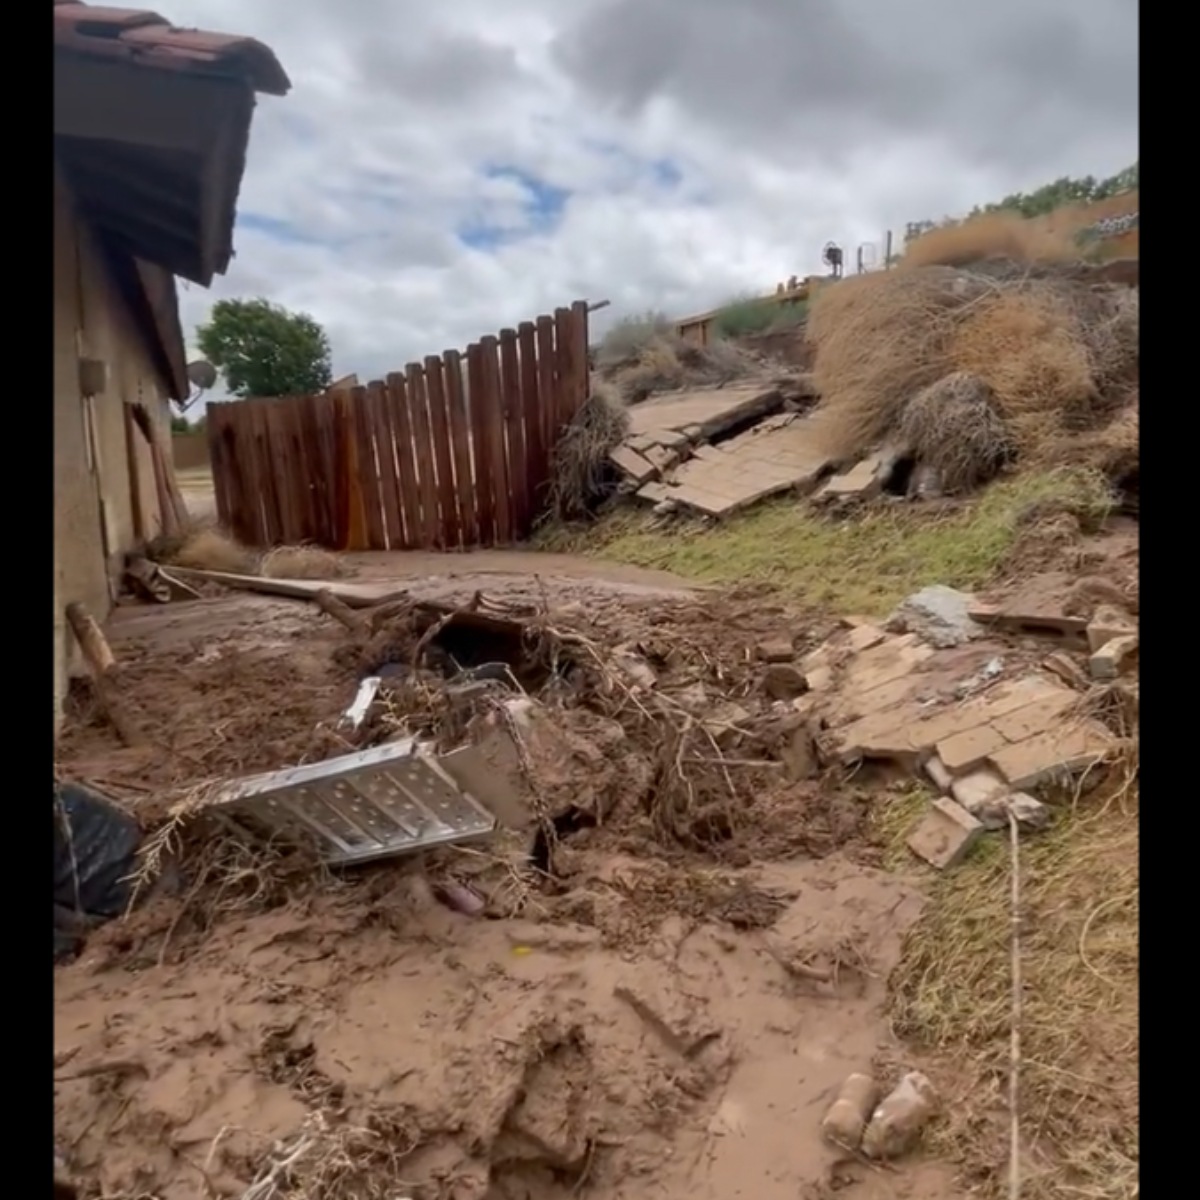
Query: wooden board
514, 433
443, 459
460, 442
418, 407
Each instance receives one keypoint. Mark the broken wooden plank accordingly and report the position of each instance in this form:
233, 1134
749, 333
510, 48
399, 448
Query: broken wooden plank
353, 595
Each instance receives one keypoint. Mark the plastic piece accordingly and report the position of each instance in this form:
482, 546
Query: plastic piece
95, 851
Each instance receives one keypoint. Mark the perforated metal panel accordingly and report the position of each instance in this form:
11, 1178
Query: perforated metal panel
389, 800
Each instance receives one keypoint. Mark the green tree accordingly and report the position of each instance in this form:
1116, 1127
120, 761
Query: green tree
264, 350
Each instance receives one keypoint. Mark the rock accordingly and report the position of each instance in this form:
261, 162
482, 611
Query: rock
799, 756
863, 481
1107, 623
945, 835
897, 1122
1067, 669
981, 793
846, 1121
784, 682
938, 615
1029, 812
1113, 657
776, 650
936, 770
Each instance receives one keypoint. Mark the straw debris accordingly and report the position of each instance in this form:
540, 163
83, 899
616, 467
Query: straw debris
580, 476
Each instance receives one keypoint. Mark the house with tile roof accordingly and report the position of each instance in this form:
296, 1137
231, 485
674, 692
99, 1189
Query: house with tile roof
151, 125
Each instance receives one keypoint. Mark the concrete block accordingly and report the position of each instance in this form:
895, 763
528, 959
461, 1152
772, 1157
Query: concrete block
1030, 812
1053, 756
776, 650
1108, 622
983, 794
936, 770
1113, 657
945, 835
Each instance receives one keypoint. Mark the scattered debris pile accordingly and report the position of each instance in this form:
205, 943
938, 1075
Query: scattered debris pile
718, 450
677, 821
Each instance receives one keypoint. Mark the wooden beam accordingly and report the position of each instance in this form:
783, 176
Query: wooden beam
170, 110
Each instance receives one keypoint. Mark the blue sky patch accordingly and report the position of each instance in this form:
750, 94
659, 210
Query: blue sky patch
276, 229
543, 209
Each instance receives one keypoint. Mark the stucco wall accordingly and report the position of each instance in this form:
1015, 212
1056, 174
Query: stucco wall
93, 507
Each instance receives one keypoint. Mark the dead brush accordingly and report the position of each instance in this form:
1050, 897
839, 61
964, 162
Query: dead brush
879, 340
202, 547
953, 427
1026, 343
579, 472
221, 871
992, 235
332, 1159
301, 562
668, 363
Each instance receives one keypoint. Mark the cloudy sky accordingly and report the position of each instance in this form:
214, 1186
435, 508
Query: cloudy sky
442, 170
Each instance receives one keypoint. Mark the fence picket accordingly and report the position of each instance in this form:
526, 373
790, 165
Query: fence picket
460, 445
443, 460
418, 407
514, 432
406, 463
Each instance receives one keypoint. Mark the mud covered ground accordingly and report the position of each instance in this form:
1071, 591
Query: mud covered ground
664, 1009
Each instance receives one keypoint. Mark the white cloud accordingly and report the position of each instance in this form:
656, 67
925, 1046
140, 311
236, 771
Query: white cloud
440, 172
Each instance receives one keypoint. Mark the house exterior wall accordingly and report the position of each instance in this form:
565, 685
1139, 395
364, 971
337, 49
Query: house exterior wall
93, 506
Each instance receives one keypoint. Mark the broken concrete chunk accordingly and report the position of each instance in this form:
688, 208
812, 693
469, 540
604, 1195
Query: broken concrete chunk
938, 615
680, 1022
863, 481
897, 1122
784, 682
1107, 623
978, 791
1067, 669
819, 679
799, 755
846, 1121
1115, 656
945, 835
633, 465
1053, 756
936, 770
775, 650
962, 752
1030, 812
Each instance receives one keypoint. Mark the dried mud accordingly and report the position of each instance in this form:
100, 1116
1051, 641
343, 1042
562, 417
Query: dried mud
664, 1010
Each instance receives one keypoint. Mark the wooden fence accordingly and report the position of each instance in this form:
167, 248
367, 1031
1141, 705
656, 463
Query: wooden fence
437, 457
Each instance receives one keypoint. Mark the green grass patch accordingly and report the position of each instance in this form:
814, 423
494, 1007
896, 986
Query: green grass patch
951, 996
741, 317
863, 565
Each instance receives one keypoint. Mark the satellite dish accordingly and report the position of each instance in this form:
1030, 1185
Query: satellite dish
202, 374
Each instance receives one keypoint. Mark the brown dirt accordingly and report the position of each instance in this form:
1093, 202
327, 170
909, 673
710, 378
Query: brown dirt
423, 1053
495, 1059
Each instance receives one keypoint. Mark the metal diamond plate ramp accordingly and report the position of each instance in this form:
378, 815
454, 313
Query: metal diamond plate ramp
376, 803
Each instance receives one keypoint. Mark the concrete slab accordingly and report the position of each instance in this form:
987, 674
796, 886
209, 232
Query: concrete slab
778, 455
710, 410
